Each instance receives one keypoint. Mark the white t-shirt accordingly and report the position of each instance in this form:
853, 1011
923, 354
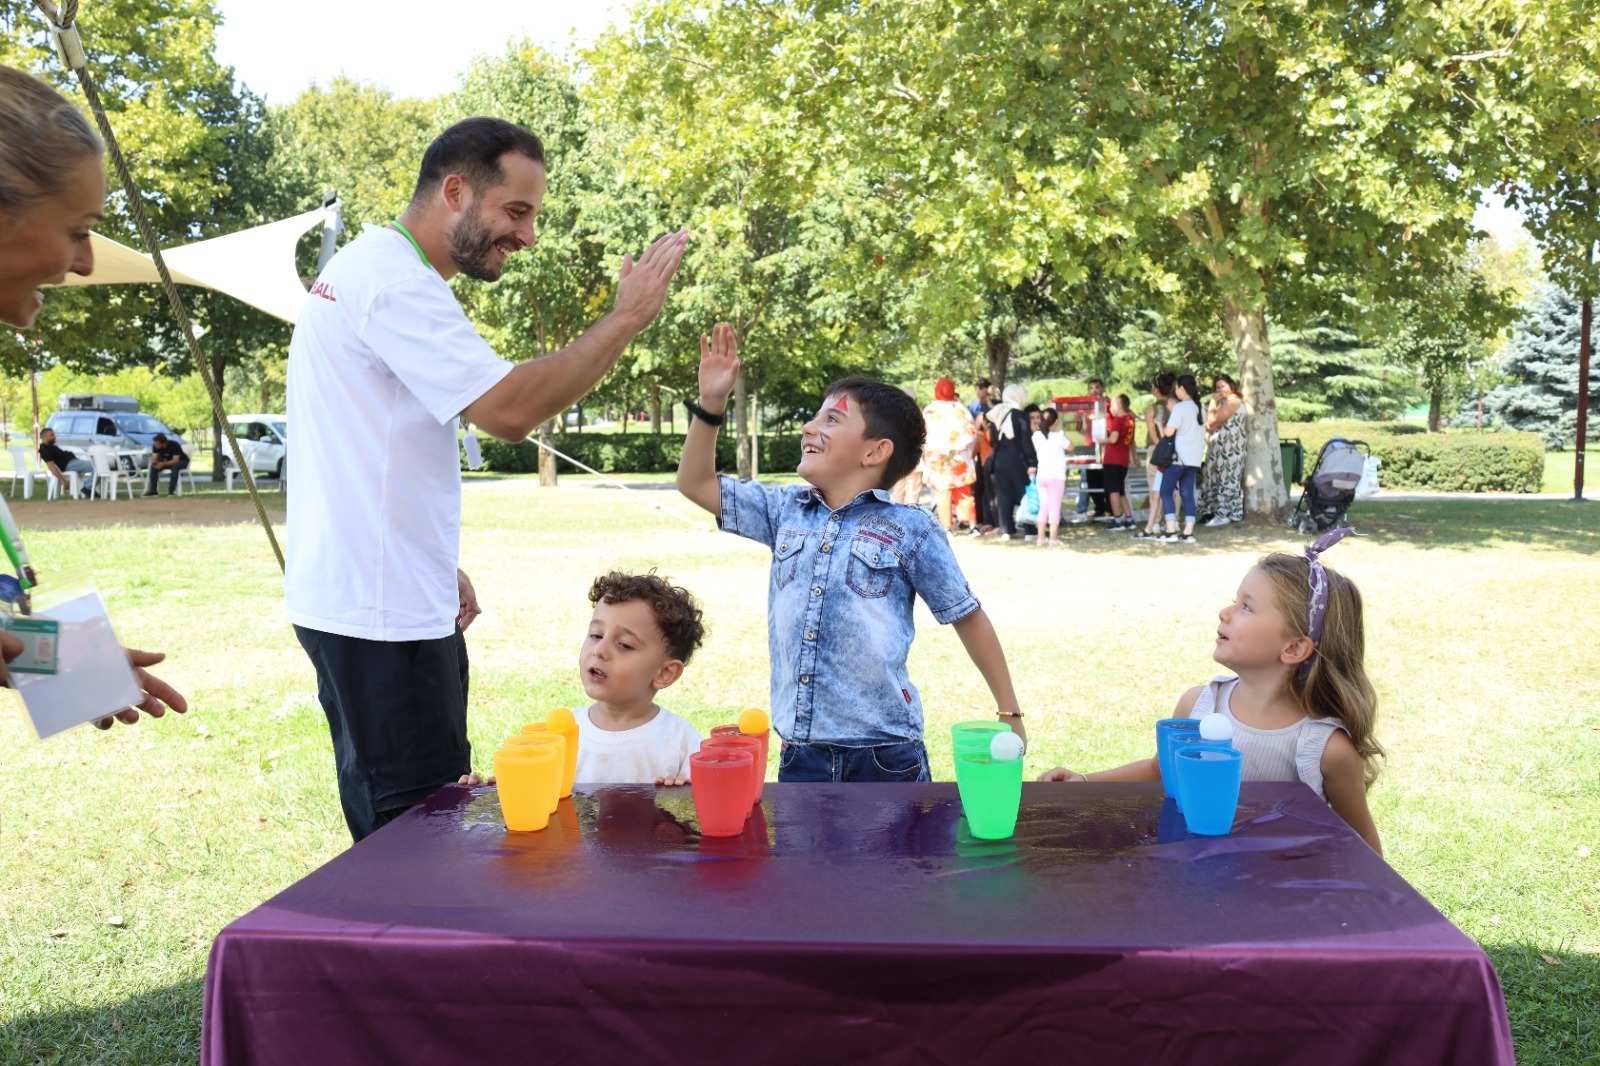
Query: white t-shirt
638, 756
382, 362
1191, 436
1052, 454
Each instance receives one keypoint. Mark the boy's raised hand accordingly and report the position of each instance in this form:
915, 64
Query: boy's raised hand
719, 364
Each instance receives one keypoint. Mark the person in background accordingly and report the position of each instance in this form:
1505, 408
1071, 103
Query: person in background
1155, 420
947, 462
1032, 411
1014, 461
1117, 455
52, 193
166, 455
1186, 426
1050, 447
908, 490
59, 462
1091, 483
983, 457
1222, 476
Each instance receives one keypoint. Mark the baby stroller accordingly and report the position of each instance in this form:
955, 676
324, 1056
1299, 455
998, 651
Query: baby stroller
1330, 488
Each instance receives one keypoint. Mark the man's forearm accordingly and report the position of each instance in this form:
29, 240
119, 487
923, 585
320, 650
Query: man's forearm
542, 388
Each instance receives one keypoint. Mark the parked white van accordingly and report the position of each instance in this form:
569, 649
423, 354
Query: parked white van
264, 440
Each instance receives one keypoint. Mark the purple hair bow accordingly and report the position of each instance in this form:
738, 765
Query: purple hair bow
1317, 608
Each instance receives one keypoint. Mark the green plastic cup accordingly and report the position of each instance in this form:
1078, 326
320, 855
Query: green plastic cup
991, 794
972, 738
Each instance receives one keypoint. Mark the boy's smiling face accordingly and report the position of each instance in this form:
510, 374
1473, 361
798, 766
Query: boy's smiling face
835, 448
624, 657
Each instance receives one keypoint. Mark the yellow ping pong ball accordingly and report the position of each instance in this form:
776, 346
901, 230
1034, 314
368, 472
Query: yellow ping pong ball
560, 718
754, 721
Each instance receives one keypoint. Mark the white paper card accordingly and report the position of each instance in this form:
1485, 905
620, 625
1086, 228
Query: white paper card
92, 678
469, 442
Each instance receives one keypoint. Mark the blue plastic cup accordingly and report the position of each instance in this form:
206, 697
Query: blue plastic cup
1190, 741
1209, 782
1165, 730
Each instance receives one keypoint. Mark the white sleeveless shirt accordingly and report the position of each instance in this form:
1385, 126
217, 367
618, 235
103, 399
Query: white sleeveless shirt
1292, 753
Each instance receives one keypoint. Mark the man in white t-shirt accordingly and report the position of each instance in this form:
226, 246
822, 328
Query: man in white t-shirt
382, 364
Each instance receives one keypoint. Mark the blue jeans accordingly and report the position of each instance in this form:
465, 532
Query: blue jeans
902, 761
1180, 479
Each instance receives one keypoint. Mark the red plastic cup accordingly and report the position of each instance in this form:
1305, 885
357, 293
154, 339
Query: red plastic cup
740, 742
719, 777
725, 731
765, 736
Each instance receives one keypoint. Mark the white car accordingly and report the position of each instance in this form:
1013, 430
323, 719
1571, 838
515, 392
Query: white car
264, 440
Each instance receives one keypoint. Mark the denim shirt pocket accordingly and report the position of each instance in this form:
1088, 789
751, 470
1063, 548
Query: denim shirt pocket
786, 556
873, 566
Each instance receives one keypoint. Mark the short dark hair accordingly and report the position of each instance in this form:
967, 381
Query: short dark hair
1097, 381
676, 614
1031, 409
983, 383
890, 415
473, 148
1122, 398
159, 436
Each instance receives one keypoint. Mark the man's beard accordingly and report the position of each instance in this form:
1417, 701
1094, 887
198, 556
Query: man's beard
471, 244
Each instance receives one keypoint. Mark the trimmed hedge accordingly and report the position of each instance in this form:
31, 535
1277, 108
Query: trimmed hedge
633, 453
1413, 458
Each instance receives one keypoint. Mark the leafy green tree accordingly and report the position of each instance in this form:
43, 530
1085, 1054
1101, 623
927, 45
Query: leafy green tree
1542, 365
1326, 369
1262, 146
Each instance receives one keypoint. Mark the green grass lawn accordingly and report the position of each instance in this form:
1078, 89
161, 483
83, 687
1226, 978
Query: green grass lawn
123, 853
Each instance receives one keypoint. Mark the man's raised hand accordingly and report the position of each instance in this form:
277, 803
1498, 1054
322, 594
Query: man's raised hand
719, 365
642, 286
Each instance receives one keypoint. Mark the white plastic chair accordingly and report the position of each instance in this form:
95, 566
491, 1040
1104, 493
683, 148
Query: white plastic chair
107, 472
188, 471
21, 470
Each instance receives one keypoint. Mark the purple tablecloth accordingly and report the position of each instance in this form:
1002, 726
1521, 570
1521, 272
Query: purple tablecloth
854, 923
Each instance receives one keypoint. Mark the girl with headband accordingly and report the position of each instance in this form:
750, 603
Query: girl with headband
1298, 697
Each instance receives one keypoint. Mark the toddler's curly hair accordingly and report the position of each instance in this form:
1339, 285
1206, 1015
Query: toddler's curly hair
676, 613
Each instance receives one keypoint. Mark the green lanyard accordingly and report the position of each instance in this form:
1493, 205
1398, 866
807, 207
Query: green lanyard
424, 255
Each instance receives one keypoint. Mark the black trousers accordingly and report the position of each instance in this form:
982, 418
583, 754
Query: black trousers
398, 714
1010, 482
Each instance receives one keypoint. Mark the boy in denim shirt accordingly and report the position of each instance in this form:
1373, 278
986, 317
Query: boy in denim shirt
846, 565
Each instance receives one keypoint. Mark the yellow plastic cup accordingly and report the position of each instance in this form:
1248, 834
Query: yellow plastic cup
534, 738
527, 776
570, 732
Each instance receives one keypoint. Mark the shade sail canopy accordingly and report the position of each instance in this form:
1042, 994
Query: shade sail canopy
254, 265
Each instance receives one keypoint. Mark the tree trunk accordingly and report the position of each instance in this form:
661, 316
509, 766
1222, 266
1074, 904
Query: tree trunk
1263, 462
547, 462
755, 433
1435, 410
219, 445
1584, 351
655, 407
741, 422
997, 352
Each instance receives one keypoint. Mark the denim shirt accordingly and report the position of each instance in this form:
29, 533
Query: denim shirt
839, 601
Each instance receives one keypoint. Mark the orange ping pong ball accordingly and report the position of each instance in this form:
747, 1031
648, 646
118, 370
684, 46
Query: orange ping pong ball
754, 721
560, 718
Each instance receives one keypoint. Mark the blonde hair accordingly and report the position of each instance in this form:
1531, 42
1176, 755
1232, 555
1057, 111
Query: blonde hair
42, 138
1336, 685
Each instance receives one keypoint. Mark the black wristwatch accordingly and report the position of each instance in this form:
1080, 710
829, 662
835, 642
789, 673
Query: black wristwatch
703, 415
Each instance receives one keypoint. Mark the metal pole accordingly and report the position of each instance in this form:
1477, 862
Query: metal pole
1583, 397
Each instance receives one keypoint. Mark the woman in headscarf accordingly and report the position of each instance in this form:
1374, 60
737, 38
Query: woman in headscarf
1014, 458
947, 465
52, 192
1222, 476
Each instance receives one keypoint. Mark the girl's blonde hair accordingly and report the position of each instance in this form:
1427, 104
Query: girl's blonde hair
43, 137
1336, 685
